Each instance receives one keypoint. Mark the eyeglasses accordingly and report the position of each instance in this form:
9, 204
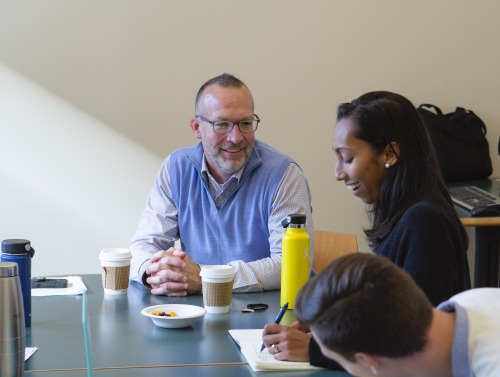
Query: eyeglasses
225, 126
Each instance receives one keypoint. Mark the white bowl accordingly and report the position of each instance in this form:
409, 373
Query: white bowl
186, 315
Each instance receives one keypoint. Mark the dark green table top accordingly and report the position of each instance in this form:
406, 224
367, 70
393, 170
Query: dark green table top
194, 371
123, 338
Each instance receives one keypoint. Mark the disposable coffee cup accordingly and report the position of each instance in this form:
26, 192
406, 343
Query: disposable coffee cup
217, 282
115, 263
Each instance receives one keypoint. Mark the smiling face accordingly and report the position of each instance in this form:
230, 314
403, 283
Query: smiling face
225, 153
357, 164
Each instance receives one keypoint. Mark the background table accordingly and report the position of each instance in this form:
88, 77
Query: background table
487, 233
124, 342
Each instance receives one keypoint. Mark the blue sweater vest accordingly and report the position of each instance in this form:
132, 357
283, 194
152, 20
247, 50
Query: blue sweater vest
239, 230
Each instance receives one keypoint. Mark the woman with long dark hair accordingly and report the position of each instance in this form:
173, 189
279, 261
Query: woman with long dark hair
385, 157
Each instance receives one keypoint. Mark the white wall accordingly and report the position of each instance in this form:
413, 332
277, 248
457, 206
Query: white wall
133, 67
69, 184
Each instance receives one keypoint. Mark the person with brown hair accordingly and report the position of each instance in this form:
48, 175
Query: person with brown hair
369, 315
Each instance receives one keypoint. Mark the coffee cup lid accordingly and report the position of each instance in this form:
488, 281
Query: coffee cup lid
217, 271
115, 254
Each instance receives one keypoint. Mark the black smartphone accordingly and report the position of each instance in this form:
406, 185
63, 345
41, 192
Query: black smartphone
43, 282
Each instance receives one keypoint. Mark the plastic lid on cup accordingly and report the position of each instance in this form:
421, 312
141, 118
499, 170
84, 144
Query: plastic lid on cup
219, 271
115, 254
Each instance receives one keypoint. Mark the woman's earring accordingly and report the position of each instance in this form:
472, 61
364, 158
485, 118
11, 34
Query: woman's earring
387, 165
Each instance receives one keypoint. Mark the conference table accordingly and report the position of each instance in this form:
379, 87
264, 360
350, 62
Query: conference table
487, 237
125, 343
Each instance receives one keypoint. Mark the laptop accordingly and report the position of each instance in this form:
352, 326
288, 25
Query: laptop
471, 197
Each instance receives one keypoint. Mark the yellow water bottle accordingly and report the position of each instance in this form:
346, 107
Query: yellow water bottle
295, 258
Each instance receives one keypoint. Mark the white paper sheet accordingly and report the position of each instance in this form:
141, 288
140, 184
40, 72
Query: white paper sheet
75, 287
28, 352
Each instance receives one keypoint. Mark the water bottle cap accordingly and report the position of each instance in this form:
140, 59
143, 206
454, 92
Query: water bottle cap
8, 269
17, 246
294, 219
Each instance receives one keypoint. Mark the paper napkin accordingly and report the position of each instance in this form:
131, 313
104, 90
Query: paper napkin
75, 287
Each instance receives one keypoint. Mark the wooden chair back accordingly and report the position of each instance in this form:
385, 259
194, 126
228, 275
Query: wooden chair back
332, 245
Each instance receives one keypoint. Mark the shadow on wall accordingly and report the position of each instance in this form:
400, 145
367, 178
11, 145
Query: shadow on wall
69, 184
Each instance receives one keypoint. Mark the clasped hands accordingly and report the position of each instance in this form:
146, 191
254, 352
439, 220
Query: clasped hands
287, 342
173, 273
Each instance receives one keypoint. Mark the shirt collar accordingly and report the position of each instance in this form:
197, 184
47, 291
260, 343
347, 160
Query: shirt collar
460, 349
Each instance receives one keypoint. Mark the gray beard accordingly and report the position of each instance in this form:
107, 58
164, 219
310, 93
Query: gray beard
229, 167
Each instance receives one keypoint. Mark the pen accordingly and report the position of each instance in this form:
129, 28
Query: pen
277, 320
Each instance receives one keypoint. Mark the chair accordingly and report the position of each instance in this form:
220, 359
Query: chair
332, 245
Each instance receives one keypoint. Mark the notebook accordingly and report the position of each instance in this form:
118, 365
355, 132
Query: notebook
472, 196
250, 342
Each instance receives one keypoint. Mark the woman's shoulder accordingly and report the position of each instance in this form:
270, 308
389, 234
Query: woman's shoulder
427, 221
428, 213
427, 206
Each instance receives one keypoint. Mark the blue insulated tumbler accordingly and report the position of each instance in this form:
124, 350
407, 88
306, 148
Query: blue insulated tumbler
21, 252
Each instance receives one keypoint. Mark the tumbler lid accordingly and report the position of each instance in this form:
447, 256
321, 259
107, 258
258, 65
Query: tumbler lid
17, 246
8, 269
295, 220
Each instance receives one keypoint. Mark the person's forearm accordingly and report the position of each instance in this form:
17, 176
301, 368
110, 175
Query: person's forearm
139, 262
261, 275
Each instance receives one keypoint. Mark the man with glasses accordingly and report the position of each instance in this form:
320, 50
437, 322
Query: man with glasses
224, 199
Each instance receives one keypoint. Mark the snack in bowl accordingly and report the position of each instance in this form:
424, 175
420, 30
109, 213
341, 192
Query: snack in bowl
173, 316
163, 314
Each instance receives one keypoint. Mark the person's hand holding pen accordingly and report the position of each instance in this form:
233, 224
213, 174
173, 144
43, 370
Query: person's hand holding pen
290, 343
277, 321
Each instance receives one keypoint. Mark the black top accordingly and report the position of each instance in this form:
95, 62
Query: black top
427, 243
